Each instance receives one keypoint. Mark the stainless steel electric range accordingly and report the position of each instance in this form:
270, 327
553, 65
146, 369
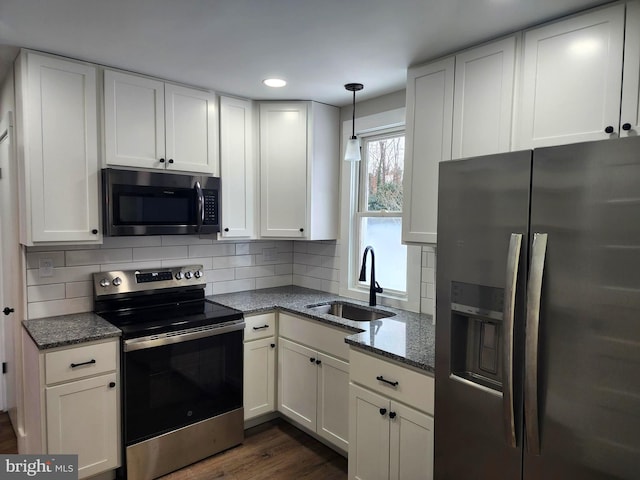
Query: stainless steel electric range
182, 366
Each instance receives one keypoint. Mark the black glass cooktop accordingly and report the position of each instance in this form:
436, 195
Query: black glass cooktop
166, 313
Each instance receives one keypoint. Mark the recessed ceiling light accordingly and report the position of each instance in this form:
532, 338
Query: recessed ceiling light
274, 82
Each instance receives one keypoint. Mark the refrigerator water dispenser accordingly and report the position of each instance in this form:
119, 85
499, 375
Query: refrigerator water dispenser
476, 334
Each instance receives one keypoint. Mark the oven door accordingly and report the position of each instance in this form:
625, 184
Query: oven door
174, 381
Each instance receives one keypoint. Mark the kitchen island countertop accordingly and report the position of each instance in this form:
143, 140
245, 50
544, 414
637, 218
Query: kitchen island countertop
406, 337
65, 330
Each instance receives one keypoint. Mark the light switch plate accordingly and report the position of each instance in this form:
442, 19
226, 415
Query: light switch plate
45, 267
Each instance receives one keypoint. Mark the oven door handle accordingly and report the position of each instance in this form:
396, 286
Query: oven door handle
168, 339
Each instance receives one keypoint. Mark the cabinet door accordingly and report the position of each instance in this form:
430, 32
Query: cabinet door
411, 444
237, 167
333, 400
428, 142
81, 410
61, 152
368, 435
571, 83
259, 377
133, 120
191, 130
297, 382
283, 169
630, 108
483, 99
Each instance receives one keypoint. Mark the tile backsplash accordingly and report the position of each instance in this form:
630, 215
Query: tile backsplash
428, 281
229, 266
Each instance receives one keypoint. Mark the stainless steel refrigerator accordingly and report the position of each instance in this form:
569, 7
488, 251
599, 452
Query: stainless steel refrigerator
538, 315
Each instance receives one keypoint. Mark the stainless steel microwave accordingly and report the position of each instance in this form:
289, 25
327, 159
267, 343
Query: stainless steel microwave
149, 203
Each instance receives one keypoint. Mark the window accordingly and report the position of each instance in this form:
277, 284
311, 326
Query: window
378, 216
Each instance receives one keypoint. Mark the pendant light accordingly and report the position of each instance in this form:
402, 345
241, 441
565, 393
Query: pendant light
352, 152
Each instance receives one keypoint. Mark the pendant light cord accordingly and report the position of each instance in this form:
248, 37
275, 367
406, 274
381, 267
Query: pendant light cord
353, 120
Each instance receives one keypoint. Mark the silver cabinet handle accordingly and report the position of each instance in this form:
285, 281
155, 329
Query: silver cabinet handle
513, 261
534, 295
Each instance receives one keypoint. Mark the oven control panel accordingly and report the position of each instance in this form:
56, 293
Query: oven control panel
127, 281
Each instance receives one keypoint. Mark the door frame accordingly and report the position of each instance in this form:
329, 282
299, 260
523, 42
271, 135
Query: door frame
5, 136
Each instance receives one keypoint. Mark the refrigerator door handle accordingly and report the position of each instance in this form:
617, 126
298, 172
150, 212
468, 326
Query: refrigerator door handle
513, 261
534, 294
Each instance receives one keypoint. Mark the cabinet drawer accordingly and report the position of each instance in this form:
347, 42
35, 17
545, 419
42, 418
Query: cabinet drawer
259, 326
79, 362
315, 335
413, 388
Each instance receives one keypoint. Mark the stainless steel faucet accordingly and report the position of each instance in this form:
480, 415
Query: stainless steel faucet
374, 287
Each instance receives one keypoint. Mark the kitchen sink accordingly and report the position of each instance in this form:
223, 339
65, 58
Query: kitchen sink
350, 311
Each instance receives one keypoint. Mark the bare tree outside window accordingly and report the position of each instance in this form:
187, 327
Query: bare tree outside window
385, 169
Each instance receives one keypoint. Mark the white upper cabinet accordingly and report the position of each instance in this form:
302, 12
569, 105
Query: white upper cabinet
57, 150
134, 120
237, 168
299, 169
483, 99
151, 124
572, 79
191, 129
630, 108
428, 141
457, 107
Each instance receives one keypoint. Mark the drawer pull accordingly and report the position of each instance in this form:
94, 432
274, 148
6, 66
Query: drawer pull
74, 365
261, 328
112, 384
380, 378
273, 345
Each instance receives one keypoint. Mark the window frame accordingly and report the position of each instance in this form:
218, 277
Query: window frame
361, 212
378, 122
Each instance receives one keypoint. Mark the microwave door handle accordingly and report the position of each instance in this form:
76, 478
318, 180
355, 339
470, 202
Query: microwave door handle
200, 195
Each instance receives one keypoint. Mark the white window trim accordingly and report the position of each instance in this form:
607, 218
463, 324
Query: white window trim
378, 123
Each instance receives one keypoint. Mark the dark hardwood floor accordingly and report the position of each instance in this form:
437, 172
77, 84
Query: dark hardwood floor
8, 443
274, 450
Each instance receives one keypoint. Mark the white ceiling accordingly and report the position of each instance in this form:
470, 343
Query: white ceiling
231, 45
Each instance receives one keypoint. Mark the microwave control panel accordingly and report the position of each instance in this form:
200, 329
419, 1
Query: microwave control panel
210, 207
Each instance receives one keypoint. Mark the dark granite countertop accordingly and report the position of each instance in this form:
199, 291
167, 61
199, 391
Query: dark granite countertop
406, 337
71, 329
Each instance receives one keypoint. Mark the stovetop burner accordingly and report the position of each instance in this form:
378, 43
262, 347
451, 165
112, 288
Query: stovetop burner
149, 302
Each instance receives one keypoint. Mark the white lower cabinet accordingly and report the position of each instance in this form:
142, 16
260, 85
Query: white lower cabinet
297, 383
259, 365
389, 439
82, 419
72, 403
333, 400
314, 390
313, 383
